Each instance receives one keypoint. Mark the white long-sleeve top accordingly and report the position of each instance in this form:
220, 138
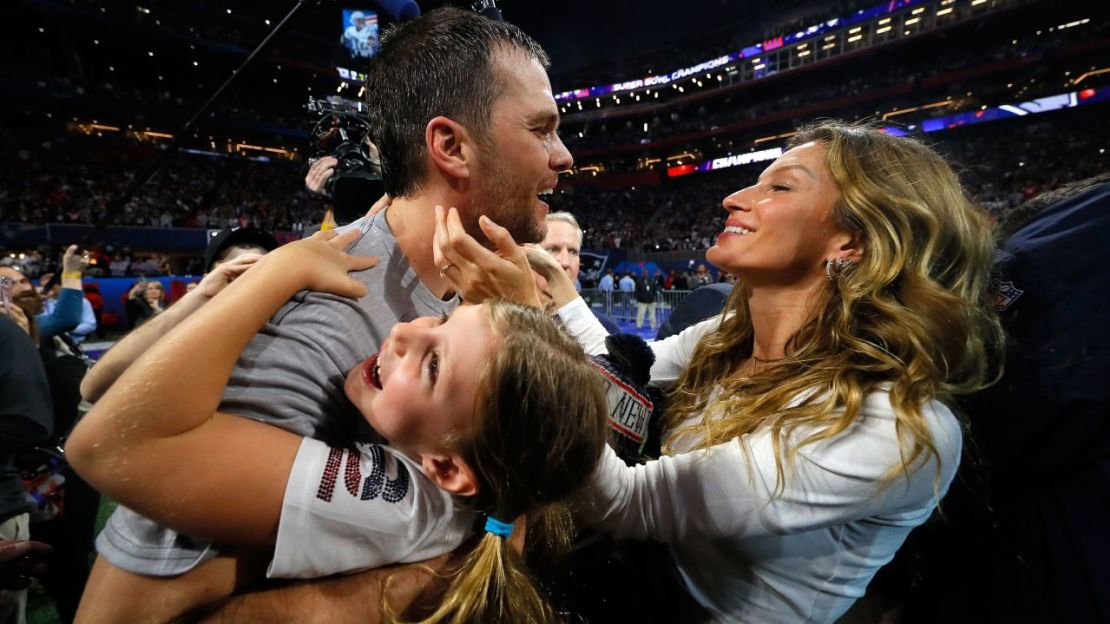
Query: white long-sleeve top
746, 553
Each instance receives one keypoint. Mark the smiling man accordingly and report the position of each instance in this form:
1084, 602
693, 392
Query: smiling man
463, 115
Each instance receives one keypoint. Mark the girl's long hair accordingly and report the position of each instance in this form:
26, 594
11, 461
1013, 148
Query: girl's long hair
540, 427
913, 316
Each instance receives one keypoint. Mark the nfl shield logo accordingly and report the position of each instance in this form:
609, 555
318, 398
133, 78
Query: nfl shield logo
1005, 294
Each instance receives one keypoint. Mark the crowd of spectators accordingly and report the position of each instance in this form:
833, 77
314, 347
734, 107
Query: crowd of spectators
1002, 166
945, 73
71, 181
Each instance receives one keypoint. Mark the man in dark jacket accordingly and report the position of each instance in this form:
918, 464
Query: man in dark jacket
645, 300
26, 416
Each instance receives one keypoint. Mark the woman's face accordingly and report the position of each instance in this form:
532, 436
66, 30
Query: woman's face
421, 387
781, 230
154, 291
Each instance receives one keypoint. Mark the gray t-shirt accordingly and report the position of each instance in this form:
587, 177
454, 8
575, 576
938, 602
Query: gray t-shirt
291, 376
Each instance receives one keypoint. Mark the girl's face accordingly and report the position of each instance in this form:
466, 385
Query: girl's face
420, 389
781, 230
154, 291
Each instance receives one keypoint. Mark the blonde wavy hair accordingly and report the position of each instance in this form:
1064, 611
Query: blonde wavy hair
914, 313
540, 424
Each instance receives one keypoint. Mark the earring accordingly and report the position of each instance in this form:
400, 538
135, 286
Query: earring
836, 266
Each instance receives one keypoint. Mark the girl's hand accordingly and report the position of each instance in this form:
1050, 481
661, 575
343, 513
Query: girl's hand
322, 265
477, 273
224, 274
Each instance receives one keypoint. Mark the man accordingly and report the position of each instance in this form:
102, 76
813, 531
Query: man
66, 313
645, 300
564, 242
359, 38
605, 285
229, 244
50, 301
627, 287
26, 419
464, 117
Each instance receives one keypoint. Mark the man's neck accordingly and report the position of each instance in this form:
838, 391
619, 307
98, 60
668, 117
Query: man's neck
412, 221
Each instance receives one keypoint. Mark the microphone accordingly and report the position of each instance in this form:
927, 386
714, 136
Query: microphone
625, 370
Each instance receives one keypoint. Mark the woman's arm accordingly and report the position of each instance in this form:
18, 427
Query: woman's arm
155, 442
723, 492
671, 354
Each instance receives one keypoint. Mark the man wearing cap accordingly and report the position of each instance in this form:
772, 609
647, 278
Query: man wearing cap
229, 244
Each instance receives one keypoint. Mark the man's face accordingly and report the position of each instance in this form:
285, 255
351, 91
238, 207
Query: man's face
20, 284
23, 292
563, 241
522, 155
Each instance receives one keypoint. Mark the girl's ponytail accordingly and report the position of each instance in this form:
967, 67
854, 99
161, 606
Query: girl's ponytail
493, 585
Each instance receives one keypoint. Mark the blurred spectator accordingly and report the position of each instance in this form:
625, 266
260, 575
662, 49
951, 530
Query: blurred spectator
50, 301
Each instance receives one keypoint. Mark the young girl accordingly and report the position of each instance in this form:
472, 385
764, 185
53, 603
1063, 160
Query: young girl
495, 405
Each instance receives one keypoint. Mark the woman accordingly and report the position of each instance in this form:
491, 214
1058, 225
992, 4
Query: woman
461, 401
145, 300
808, 430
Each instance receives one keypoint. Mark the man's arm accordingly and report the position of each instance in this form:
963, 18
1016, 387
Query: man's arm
412, 589
112, 364
88, 320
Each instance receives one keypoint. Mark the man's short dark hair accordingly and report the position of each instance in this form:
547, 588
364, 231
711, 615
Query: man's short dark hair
438, 64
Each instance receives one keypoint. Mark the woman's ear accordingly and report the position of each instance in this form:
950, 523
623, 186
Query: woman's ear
852, 248
450, 473
449, 146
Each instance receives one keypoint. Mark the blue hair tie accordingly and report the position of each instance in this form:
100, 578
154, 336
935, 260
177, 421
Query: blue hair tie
497, 527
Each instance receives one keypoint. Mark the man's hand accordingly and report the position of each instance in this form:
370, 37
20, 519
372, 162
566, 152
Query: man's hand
477, 273
224, 274
16, 314
20, 560
73, 262
319, 173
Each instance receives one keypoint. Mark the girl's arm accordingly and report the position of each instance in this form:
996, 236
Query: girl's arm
154, 441
124, 353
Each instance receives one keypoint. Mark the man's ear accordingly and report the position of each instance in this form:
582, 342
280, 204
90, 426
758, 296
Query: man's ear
450, 473
450, 147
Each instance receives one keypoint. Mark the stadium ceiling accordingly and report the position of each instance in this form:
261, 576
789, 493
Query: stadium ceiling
580, 34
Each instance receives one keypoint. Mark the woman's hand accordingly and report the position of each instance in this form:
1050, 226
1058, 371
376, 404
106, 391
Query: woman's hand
321, 264
477, 273
559, 286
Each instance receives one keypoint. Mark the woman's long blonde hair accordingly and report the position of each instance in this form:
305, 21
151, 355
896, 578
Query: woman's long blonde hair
540, 426
914, 313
